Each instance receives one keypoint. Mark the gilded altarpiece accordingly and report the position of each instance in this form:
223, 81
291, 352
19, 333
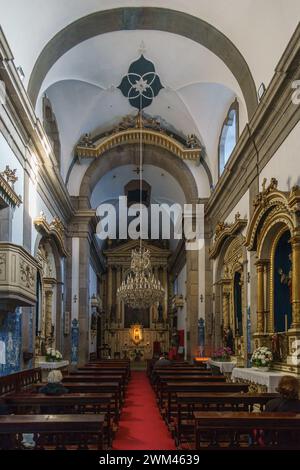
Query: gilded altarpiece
276, 218
119, 319
229, 252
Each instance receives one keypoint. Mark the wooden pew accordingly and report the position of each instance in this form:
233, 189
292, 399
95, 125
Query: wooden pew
97, 378
14, 382
57, 432
172, 388
71, 403
227, 430
162, 380
187, 403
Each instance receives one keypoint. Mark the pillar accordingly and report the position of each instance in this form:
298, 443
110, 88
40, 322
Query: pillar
118, 303
295, 242
192, 302
226, 313
260, 296
109, 292
165, 286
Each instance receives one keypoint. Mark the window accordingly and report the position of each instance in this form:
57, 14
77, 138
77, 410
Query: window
229, 135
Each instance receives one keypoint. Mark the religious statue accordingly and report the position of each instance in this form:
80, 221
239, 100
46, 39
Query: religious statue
175, 338
229, 343
160, 313
287, 278
276, 347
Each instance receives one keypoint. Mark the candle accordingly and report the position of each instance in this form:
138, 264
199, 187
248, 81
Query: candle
286, 321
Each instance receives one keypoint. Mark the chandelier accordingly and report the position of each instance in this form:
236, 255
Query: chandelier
140, 289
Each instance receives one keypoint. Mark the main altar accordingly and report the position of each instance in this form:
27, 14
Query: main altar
152, 325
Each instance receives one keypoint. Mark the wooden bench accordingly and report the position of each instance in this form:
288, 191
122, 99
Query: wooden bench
14, 382
248, 431
171, 389
57, 432
97, 378
72, 403
182, 420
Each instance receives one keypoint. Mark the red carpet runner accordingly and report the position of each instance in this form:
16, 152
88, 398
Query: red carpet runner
141, 426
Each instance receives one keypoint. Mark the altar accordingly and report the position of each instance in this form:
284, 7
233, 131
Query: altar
226, 367
260, 381
48, 366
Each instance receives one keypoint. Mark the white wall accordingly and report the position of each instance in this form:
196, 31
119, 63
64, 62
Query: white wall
284, 165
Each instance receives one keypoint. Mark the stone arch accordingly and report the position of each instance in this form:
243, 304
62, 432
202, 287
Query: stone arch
151, 155
147, 18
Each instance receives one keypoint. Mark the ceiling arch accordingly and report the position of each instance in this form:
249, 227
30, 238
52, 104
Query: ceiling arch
145, 18
116, 157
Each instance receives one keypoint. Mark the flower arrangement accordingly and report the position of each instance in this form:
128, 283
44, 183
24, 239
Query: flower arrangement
53, 355
222, 354
262, 357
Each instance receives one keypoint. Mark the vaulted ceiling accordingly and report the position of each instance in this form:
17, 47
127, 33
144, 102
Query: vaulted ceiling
201, 77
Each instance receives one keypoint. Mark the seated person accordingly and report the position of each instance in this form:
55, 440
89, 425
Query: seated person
288, 389
163, 361
54, 385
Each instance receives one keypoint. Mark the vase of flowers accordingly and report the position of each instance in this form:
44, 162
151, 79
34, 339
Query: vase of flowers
53, 355
222, 355
262, 358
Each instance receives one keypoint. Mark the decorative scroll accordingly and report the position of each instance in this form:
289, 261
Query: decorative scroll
7, 192
224, 231
272, 205
55, 229
134, 128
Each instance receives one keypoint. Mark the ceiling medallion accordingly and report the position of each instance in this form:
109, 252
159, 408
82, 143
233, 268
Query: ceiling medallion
140, 289
141, 84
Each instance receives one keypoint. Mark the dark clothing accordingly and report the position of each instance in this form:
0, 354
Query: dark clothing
162, 363
283, 404
53, 389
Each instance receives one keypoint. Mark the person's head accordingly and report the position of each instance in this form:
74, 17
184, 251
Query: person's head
288, 387
163, 356
54, 377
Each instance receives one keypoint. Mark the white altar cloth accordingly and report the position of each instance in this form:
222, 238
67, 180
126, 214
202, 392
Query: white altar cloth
225, 367
270, 379
52, 365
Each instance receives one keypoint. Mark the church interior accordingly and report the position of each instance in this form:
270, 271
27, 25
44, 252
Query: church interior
149, 224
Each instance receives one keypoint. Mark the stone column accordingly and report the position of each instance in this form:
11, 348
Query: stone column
165, 286
118, 303
192, 297
84, 301
109, 292
295, 242
260, 296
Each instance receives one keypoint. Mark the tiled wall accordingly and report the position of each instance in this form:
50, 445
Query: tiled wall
11, 335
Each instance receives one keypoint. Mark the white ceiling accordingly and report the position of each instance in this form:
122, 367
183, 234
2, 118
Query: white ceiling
195, 99
259, 29
199, 87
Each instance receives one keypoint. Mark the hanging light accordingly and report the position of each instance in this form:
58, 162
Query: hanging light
140, 289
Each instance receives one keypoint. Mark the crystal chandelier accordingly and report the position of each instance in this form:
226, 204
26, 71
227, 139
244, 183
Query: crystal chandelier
141, 288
